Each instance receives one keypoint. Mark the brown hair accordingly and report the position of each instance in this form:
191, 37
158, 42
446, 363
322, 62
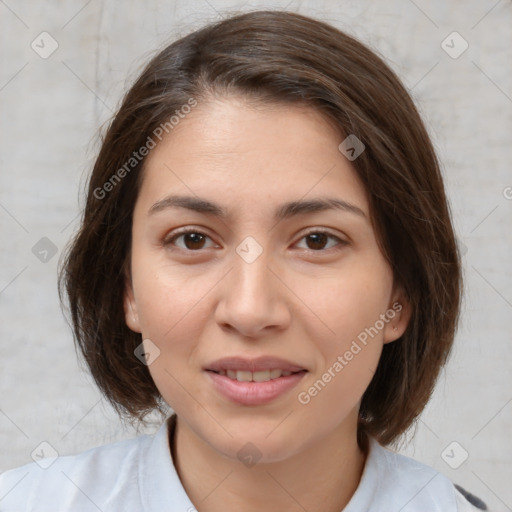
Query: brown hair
277, 57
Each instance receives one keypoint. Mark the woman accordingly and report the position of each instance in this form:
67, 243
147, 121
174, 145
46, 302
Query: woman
267, 249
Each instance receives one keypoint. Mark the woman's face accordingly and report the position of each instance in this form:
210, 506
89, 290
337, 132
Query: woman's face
265, 321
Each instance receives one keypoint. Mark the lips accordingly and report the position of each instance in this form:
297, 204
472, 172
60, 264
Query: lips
254, 381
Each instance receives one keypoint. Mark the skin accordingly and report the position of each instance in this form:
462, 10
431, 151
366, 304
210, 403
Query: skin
301, 300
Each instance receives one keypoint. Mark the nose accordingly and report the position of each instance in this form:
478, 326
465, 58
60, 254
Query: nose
252, 301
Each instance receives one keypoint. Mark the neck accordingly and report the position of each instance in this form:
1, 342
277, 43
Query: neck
322, 477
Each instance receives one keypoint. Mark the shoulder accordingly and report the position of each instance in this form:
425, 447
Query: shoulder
133, 475
392, 481
74, 482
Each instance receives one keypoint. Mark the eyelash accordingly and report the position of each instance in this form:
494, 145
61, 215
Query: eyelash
170, 240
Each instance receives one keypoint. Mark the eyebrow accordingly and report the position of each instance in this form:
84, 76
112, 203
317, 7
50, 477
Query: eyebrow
285, 211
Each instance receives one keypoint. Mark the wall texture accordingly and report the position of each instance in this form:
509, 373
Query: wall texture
64, 68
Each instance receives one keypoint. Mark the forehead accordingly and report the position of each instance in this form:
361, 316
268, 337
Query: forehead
226, 148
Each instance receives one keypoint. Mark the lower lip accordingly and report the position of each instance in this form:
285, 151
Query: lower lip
254, 393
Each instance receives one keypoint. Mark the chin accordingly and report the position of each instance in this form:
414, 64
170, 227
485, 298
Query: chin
258, 450
265, 438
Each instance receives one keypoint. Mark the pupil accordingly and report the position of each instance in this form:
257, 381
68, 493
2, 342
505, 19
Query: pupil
319, 240
192, 239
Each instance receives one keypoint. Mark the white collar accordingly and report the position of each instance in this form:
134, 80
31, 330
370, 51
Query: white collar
158, 479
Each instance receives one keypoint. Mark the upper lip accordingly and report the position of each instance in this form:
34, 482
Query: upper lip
253, 365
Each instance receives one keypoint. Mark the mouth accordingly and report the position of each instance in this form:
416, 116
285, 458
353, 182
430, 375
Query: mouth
259, 376
255, 381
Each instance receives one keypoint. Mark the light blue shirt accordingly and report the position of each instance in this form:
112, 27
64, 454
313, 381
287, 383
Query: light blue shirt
139, 475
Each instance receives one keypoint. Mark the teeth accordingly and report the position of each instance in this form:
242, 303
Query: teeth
260, 376
243, 376
275, 374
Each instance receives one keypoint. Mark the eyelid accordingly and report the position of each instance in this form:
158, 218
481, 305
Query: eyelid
319, 229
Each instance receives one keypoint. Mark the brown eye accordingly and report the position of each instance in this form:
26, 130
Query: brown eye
194, 240
320, 240
317, 241
189, 240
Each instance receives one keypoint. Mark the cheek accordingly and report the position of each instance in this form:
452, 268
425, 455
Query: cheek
335, 393
348, 303
171, 309
350, 355
167, 299
169, 319
351, 308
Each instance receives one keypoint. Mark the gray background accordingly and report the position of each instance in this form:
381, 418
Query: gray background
51, 111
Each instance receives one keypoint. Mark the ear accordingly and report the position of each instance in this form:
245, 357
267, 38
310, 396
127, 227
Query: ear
130, 307
399, 314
